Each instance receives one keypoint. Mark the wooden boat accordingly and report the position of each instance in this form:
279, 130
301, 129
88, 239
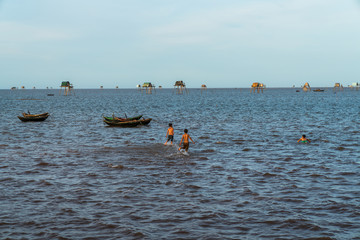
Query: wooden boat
145, 121
122, 119
35, 115
319, 90
132, 123
33, 118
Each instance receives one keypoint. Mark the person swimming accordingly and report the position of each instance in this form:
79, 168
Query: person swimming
303, 139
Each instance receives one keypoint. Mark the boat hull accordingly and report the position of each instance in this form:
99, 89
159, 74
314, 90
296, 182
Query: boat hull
132, 123
35, 115
33, 119
116, 119
145, 121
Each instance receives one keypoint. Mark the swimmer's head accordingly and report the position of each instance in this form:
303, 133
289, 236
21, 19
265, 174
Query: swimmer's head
185, 130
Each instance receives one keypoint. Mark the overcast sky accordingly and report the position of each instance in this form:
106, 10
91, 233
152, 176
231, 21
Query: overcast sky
220, 43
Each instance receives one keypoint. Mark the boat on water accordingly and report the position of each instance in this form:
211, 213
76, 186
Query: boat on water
113, 118
27, 117
34, 115
318, 90
145, 121
132, 123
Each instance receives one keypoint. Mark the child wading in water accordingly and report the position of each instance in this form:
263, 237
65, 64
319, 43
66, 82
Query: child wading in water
185, 138
303, 139
170, 134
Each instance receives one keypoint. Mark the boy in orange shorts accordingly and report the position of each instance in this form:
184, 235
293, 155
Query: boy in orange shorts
185, 138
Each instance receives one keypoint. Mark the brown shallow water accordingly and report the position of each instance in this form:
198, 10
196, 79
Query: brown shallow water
71, 177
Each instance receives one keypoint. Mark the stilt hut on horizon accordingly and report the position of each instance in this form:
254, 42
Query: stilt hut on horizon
148, 87
180, 87
203, 88
306, 87
256, 86
354, 86
68, 87
338, 86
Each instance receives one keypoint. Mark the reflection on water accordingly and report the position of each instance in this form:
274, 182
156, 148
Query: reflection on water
245, 178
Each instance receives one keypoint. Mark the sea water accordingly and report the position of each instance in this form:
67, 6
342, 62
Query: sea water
72, 177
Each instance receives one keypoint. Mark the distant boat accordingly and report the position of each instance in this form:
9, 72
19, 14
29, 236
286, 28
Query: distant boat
117, 119
50, 94
145, 121
126, 122
33, 117
132, 123
318, 90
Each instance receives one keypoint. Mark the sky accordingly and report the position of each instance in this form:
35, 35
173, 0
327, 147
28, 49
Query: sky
220, 43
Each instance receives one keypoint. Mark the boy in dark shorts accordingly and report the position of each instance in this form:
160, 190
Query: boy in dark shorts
185, 139
170, 134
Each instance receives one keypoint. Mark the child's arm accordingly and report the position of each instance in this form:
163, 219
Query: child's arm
192, 140
308, 140
299, 140
167, 132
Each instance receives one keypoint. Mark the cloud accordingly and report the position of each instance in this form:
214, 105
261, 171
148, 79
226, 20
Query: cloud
17, 32
187, 31
211, 25
251, 22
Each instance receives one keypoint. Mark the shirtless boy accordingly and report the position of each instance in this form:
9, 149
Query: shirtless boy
185, 139
303, 139
170, 134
